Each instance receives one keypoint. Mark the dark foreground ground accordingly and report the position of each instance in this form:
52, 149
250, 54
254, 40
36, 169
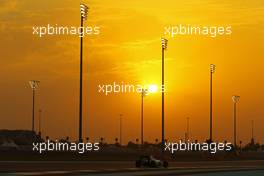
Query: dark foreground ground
109, 168
118, 163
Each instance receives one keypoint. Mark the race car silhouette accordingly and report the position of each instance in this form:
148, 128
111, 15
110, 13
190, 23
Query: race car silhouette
150, 161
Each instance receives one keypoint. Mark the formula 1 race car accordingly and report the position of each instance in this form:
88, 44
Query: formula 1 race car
150, 161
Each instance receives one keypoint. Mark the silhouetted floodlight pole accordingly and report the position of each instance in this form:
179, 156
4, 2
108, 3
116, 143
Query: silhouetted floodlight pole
235, 99
40, 111
212, 70
120, 128
252, 129
164, 43
84, 11
143, 94
34, 85
188, 128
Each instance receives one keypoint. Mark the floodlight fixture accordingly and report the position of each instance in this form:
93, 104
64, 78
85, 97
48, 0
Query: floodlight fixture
34, 84
144, 92
212, 68
235, 98
164, 43
84, 11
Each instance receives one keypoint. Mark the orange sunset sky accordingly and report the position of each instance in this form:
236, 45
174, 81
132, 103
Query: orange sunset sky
128, 50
